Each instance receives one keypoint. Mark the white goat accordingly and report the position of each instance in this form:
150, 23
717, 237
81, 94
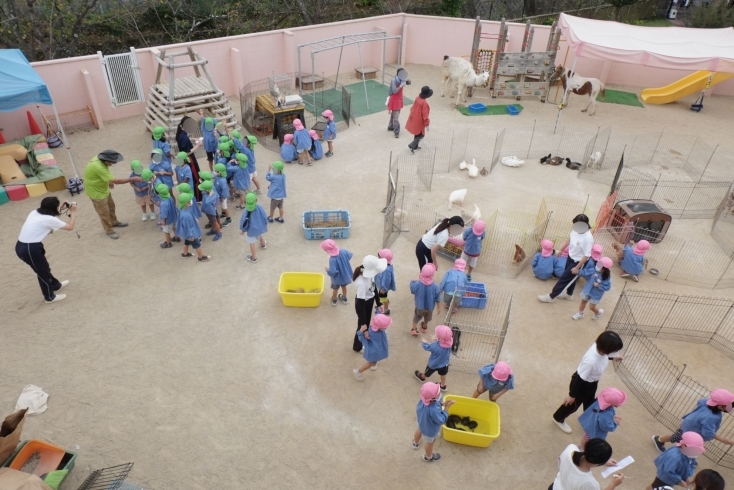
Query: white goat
459, 71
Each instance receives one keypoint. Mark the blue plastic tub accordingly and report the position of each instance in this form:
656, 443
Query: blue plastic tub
477, 108
475, 301
512, 110
314, 232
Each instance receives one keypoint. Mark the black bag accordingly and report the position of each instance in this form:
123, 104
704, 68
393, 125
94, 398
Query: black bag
457, 339
75, 185
53, 141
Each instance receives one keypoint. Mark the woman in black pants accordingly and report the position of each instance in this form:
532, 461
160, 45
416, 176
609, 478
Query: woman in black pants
365, 298
582, 390
29, 247
435, 238
575, 465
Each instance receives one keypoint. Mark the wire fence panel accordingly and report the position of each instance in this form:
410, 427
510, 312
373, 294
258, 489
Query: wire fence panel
698, 158
544, 142
426, 161
720, 167
574, 142
498, 142
479, 332
558, 212
660, 385
480, 148
509, 230
413, 216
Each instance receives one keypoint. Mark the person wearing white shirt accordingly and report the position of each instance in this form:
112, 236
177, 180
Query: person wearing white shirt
579, 250
29, 247
582, 390
435, 238
575, 465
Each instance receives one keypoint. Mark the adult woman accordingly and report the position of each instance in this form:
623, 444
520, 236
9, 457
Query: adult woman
579, 246
364, 301
418, 120
436, 238
29, 247
184, 144
574, 467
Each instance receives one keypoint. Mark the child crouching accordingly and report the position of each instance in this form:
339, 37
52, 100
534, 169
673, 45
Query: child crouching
632, 258
543, 261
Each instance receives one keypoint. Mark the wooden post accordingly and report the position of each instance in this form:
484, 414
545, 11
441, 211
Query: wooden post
193, 57
159, 70
475, 48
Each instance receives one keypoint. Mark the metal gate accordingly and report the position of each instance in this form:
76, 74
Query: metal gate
346, 105
122, 74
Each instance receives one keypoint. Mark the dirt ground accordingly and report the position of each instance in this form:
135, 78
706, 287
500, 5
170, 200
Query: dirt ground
198, 374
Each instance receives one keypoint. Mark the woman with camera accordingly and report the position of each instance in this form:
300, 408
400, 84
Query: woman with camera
29, 248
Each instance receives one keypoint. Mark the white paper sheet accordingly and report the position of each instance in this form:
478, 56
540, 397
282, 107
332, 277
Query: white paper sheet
620, 464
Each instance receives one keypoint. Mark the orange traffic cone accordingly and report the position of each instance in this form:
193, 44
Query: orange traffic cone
2, 140
35, 129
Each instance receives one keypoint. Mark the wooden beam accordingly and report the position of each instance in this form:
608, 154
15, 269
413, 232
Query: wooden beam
160, 68
193, 58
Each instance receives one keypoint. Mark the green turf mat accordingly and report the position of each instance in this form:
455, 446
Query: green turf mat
619, 97
492, 110
332, 99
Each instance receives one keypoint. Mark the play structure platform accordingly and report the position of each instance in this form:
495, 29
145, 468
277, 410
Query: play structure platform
693, 83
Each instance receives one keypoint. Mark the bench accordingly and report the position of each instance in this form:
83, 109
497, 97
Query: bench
367, 73
310, 82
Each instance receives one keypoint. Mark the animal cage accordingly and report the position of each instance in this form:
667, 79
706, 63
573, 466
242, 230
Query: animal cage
636, 219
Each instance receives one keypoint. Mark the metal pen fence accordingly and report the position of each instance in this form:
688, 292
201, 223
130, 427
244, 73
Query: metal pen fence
558, 212
656, 381
722, 229
479, 333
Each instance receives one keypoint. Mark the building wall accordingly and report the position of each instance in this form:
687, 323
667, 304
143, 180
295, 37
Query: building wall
426, 40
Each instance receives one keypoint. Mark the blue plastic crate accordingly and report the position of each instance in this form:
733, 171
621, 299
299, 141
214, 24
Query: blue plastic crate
512, 110
475, 302
477, 108
324, 216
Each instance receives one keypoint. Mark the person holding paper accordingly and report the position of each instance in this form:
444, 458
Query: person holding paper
574, 467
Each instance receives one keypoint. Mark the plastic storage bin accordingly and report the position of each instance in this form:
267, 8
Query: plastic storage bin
323, 217
484, 412
477, 108
475, 301
51, 457
306, 280
512, 110
67, 461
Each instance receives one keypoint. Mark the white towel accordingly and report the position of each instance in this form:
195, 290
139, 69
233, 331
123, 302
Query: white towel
34, 399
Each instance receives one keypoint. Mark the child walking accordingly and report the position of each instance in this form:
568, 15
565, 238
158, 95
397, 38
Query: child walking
254, 222
276, 190
222, 189
188, 228
676, 465
600, 418
374, 341
704, 420
598, 281
632, 258
431, 414
240, 178
288, 150
209, 201
302, 140
169, 216
339, 270
473, 238
453, 285
385, 280
543, 261
329, 131
427, 296
440, 349
141, 190
317, 150
497, 379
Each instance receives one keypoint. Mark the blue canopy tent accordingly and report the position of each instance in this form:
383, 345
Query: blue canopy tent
20, 85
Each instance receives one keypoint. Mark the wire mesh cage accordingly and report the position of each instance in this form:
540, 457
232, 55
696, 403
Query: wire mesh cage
512, 239
479, 324
111, 478
661, 386
558, 212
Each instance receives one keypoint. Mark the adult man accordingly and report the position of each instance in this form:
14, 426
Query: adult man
395, 101
98, 180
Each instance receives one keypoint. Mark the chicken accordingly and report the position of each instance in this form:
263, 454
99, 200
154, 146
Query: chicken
476, 215
512, 161
473, 170
519, 255
462, 166
457, 197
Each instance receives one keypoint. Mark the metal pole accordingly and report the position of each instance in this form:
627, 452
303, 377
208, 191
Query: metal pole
300, 75
338, 65
707, 165
565, 95
532, 136
66, 141
313, 81
384, 42
364, 81
475, 47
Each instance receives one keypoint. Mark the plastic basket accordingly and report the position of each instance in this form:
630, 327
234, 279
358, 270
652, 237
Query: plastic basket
484, 412
324, 217
477, 108
512, 110
474, 301
291, 281
67, 460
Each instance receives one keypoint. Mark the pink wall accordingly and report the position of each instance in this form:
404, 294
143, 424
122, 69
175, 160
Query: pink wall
260, 55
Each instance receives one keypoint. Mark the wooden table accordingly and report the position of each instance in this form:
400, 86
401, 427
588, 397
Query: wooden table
264, 103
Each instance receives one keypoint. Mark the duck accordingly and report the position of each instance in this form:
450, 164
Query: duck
463, 165
512, 161
473, 170
457, 197
476, 215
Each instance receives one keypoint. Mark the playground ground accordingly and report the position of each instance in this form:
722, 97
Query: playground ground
197, 373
